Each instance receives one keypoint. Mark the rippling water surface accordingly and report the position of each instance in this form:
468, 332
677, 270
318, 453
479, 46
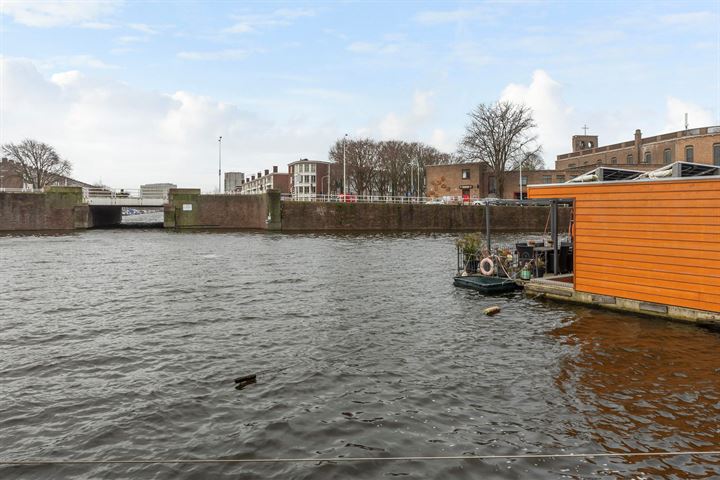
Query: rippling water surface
123, 344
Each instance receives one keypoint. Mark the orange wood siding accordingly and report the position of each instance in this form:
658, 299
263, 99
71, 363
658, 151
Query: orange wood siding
652, 241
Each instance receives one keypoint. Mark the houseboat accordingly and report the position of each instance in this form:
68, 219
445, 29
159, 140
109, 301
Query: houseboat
644, 242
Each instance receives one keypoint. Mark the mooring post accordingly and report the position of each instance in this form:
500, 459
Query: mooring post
487, 224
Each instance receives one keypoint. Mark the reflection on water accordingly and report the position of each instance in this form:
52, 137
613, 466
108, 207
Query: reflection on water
644, 385
124, 343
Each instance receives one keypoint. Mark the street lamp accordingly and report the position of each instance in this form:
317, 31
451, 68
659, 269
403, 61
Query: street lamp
344, 170
327, 194
418, 179
219, 164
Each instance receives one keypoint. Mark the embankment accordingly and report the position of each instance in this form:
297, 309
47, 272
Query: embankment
187, 208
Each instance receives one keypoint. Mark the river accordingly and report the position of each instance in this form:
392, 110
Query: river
123, 344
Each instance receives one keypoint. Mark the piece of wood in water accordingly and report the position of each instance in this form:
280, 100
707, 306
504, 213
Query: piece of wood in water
492, 310
246, 378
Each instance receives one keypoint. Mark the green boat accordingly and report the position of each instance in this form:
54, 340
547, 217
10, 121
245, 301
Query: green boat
485, 284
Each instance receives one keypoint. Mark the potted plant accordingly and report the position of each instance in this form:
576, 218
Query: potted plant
505, 261
471, 246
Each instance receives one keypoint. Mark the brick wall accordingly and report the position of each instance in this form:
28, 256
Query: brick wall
58, 209
188, 209
314, 216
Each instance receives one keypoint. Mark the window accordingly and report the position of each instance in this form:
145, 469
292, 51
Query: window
492, 185
630, 159
689, 154
716, 154
613, 160
547, 178
667, 156
465, 174
523, 181
648, 157
560, 178
312, 178
590, 144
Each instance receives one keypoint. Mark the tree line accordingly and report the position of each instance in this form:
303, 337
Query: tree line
501, 135
391, 167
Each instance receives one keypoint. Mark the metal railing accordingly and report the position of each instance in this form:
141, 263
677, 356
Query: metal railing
352, 198
21, 190
123, 197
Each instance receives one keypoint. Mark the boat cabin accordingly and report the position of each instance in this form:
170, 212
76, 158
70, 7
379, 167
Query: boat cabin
645, 242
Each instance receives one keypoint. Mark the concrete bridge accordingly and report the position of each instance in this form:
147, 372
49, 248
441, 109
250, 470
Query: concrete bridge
120, 197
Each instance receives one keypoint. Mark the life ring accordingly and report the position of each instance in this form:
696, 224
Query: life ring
487, 266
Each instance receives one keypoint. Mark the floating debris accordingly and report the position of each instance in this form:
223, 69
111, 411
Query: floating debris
491, 310
242, 382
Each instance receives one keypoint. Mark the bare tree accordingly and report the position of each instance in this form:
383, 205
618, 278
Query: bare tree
384, 168
530, 162
499, 134
38, 163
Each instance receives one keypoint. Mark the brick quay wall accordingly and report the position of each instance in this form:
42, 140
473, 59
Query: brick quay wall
313, 216
189, 209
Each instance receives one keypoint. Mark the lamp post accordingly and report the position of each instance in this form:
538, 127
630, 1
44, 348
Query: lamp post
412, 178
220, 164
521, 192
344, 170
418, 179
327, 194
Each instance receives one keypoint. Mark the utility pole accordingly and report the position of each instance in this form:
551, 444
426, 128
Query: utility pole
220, 164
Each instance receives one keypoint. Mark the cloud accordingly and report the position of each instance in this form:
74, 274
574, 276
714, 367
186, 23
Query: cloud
689, 19
554, 117
230, 54
127, 136
97, 25
141, 27
373, 48
76, 61
321, 93
56, 13
404, 126
254, 22
675, 110
129, 39
477, 14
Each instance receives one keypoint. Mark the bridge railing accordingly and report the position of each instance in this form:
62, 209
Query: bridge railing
352, 198
123, 196
21, 190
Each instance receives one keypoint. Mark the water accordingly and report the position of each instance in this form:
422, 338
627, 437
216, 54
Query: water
122, 344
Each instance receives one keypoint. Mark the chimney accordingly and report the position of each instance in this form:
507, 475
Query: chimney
267, 172
275, 170
253, 177
259, 174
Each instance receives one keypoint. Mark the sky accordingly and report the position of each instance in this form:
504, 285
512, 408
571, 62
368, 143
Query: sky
139, 92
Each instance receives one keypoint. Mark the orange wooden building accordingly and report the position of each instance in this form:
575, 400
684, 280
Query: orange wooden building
649, 244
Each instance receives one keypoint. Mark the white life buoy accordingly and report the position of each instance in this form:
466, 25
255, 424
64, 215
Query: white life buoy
487, 266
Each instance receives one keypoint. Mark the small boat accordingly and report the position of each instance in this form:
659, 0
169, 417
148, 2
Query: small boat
486, 284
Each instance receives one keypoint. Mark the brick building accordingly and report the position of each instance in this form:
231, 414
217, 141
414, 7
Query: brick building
262, 183
477, 180
10, 177
701, 145
308, 178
